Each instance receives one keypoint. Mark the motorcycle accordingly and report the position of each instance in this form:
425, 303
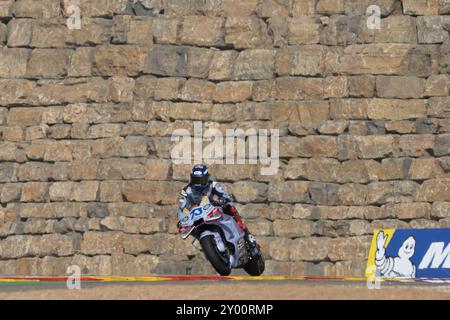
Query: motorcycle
221, 239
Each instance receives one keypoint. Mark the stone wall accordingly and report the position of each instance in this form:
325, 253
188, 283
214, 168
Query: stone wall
86, 118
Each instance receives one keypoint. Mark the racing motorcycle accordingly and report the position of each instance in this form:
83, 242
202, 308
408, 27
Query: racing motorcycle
221, 239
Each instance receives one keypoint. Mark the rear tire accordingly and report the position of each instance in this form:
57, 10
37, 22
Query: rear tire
215, 257
255, 266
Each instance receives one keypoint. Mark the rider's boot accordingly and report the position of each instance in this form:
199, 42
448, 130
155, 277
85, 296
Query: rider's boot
252, 246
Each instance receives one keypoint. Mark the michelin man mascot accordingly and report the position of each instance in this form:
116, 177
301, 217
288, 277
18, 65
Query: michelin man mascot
395, 267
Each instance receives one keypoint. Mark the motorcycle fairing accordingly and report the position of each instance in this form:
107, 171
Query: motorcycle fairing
231, 230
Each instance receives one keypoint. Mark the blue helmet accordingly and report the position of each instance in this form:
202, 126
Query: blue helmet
199, 178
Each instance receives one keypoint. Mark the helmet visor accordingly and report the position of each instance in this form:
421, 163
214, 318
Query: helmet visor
199, 180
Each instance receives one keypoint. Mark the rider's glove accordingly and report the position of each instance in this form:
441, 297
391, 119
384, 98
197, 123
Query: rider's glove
223, 201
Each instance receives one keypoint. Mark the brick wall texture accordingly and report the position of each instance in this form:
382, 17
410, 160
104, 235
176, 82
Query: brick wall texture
86, 118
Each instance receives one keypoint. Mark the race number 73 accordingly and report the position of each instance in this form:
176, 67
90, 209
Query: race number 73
195, 213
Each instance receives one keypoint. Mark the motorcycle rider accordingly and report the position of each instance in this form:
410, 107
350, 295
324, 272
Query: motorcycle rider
200, 185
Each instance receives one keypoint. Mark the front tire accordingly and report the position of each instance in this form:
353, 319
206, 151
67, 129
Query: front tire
255, 266
219, 261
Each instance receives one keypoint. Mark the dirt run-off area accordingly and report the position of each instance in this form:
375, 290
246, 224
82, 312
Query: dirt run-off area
235, 290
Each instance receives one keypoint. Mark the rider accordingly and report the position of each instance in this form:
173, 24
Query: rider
200, 185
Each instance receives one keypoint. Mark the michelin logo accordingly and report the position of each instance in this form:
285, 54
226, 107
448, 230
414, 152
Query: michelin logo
395, 267
436, 256
410, 261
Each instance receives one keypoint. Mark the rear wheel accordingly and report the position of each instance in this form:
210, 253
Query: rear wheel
255, 266
219, 260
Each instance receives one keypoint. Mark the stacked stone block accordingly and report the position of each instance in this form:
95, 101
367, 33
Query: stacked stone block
86, 118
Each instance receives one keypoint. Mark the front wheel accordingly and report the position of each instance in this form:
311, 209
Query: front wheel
255, 266
219, 260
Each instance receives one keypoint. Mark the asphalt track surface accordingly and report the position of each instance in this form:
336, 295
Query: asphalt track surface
229, 290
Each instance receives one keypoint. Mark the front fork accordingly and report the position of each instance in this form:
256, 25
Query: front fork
219, 241
220, 244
